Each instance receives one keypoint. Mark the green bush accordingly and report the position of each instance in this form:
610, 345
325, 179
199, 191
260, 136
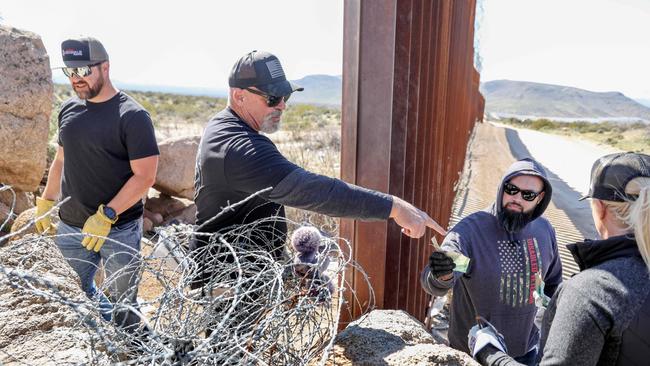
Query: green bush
543, 124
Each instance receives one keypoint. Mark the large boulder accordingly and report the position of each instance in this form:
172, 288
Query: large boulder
392, 337
39, 323
25, 106
175, 175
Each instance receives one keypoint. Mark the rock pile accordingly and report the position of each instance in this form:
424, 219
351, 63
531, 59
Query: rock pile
36, 329
392, 337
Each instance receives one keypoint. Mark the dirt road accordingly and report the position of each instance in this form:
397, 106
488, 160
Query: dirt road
568, 163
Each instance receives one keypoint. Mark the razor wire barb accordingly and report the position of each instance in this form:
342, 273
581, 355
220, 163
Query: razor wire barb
255, 309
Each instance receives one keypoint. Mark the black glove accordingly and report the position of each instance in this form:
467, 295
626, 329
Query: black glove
440, 264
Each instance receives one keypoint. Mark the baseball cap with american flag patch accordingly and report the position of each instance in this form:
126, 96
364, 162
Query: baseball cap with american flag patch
263, 71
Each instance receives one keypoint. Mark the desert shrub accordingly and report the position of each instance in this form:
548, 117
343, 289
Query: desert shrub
542, 124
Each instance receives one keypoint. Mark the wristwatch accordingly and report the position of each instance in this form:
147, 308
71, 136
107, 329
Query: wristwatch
110, 213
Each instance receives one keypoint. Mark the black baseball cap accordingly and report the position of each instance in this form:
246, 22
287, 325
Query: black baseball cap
611, 173
263, 71
81, 52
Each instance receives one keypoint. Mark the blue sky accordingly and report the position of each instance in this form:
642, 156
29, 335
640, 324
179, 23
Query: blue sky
599, 45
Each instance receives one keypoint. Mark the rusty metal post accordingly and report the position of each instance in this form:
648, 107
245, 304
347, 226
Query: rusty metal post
410, 100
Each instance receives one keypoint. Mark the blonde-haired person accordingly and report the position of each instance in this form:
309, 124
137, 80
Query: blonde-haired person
602, 315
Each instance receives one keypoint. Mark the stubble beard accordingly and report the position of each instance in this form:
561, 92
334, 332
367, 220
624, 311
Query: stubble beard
269, 125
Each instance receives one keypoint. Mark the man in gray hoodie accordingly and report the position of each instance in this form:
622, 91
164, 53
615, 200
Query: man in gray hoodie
511, 248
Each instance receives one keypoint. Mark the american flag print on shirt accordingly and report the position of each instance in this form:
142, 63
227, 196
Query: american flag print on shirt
520, 261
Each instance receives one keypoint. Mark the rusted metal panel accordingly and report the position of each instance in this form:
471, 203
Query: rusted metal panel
410, 100
349, 113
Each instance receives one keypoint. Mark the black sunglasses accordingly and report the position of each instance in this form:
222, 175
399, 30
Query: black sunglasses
271, 100
81, 72
512, 190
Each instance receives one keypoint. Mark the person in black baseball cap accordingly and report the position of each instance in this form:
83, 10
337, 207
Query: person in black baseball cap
600, 316
109, 164
611, 173
259, 90
87, 67
235, 162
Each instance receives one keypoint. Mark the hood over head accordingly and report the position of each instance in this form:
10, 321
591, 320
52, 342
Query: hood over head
526, 166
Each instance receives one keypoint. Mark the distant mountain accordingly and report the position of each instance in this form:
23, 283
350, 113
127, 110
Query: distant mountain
319, 89
208, 92
522, 99
645, 102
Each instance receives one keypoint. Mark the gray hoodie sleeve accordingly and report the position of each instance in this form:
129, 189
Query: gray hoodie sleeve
434, 286
333, 197
553, 277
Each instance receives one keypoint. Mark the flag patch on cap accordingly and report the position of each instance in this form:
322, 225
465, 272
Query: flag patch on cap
275, 69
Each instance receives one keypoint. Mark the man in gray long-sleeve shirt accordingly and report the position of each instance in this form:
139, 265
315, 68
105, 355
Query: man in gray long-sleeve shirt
234, 161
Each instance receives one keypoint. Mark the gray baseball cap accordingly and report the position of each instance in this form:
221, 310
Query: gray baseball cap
83, 52
263, 71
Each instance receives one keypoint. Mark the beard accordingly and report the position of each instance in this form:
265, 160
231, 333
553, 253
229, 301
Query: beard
269, 125
87, 91
513, 221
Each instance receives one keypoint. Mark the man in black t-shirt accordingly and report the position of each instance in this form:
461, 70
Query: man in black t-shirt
111, 156
234, 161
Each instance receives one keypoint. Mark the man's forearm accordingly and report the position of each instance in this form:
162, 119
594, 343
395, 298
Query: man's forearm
132, 191
52, 188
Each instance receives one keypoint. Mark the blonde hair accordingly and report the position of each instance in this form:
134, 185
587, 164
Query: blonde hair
636, 214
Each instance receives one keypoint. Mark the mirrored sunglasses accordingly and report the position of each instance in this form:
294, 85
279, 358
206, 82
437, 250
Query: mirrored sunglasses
81, 72
527, 195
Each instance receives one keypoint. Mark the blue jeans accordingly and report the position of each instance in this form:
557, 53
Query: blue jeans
122, 261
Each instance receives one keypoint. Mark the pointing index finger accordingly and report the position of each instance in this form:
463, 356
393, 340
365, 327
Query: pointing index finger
435, 226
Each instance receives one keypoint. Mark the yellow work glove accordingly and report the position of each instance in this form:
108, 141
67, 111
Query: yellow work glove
42, 207
96, 225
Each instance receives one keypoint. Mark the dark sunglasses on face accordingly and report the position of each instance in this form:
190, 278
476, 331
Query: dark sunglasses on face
271, 100
512, 190
81, 72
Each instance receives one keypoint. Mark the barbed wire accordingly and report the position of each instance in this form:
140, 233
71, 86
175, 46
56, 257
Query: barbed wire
243, 297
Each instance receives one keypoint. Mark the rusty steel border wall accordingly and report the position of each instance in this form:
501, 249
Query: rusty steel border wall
410, 100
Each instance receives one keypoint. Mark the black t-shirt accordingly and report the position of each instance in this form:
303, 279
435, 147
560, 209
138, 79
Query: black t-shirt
233, 162
99, 140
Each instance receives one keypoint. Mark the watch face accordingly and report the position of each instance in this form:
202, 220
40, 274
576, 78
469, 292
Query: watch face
109, 212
